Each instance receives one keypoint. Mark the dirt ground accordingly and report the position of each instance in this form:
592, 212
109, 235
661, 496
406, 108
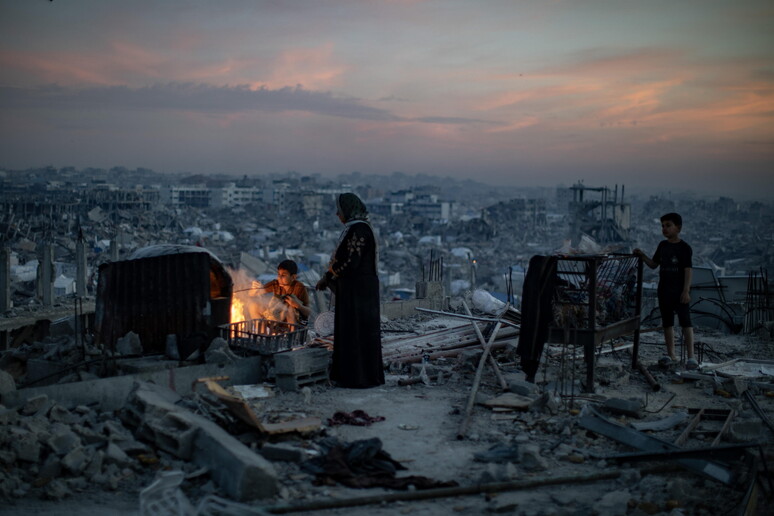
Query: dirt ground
421, 425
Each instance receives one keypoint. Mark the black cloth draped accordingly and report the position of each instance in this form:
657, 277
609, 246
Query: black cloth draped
536, 312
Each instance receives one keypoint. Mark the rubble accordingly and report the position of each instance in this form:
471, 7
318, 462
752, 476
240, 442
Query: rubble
78, 419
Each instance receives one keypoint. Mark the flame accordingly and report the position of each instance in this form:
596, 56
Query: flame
237, 310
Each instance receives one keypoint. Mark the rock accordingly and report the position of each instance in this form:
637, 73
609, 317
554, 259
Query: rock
95, 465
522, 387
75, 461
499, 453
116, 431
7, 383
56, 490
545, 403
25, 444
630, 476
63, 441
631, 408
115, 455
530, 458
129, 344
615, 503
61, 414
564, 497
219, 352
35, 404
504, 503
8, 416
51, 468
88, 436
7, 457
283, 452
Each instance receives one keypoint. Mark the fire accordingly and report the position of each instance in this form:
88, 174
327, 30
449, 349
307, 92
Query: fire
237, 310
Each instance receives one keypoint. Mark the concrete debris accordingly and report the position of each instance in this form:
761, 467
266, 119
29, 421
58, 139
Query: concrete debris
55, 445
129, 344
240, 473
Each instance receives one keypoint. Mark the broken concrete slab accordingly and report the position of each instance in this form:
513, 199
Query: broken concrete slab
112, 393
659, 425
240, 472
631, 408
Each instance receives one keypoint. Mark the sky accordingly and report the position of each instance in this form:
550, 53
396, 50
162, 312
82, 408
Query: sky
660, 94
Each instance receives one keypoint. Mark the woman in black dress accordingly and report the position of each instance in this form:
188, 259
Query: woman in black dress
352, 276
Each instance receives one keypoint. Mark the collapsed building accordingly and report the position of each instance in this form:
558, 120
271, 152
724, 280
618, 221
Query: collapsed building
157, 386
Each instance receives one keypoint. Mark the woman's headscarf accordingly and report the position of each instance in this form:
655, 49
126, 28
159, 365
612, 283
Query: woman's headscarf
351, 207
354, 212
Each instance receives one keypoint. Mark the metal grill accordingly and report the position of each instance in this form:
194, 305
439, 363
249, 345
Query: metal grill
263, 336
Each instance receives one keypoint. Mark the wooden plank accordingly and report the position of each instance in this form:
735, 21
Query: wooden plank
242, 410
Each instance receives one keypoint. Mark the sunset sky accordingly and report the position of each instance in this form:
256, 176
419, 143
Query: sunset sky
671, 94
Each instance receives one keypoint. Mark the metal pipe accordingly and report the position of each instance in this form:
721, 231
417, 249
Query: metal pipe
471, 317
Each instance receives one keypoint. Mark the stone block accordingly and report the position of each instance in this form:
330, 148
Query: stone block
51, 468
129, 344
75, 461
302, 361
63, 441
530, 458
61, 414
293, 382
282, 452
7, 383
238, 471
25, 444
88, 436
95, 464
522, 387
115, 455
614, 503
631, 408
173, 433
36, 404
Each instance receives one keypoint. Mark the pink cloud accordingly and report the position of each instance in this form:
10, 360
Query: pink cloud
54, 67
313, 68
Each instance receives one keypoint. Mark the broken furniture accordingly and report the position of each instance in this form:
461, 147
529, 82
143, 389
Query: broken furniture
596, 298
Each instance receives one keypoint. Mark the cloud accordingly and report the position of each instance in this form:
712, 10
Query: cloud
190, 97
453, 120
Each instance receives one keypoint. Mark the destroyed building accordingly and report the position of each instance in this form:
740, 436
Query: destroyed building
247, 422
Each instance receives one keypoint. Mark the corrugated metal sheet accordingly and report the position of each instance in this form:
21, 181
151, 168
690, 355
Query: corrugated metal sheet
186, 294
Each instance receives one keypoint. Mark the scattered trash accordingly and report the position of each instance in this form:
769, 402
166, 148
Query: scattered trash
356, 418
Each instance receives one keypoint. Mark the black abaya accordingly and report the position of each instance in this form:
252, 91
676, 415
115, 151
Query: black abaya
357, 344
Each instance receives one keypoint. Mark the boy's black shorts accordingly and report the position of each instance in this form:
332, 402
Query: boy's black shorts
671, 305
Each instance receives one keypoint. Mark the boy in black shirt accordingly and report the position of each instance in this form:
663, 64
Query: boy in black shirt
674, 257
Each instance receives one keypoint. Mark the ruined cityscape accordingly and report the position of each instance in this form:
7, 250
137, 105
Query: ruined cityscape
135, 378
